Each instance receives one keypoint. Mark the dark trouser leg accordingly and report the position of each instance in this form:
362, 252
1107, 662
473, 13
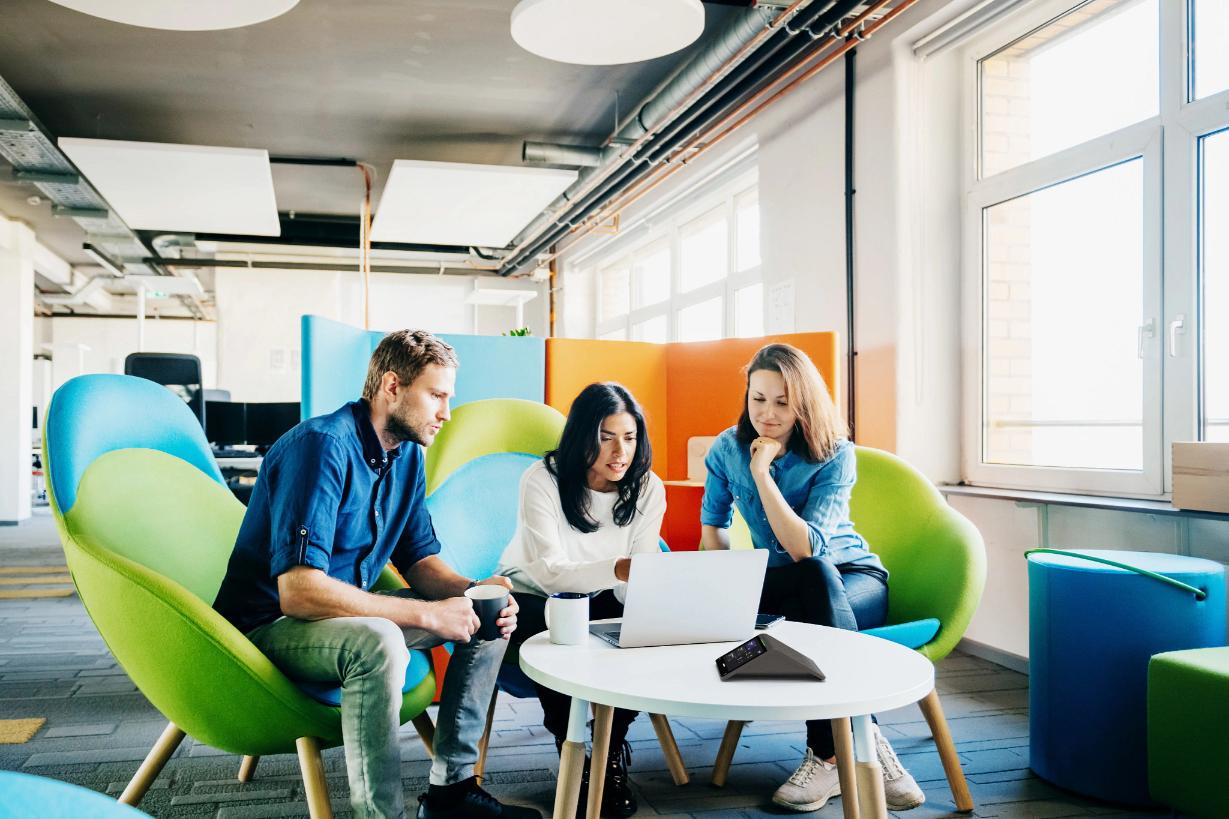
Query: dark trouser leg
817, 591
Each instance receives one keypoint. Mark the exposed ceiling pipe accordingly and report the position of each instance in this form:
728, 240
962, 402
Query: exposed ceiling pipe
603, 208
78, 296
730, 120
728, 124
549, 153
698, 76
465, 269
793, 36
37, 160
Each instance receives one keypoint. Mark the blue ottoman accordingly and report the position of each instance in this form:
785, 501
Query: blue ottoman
23, 796
1092, 629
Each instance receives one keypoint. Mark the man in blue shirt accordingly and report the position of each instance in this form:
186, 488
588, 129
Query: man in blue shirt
337, 498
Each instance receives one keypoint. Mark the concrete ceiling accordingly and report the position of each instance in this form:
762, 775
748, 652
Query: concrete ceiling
374, 80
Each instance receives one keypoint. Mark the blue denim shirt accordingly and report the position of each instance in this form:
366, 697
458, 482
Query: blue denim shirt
817, 492
330, 497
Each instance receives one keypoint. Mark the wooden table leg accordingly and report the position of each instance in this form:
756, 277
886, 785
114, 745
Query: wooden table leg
670, 749
603, 716
725, 753
842, 739
571, 762
871, 801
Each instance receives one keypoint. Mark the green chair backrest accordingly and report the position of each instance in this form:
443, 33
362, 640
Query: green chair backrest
488, 426
143, 505
935, 556
129, 470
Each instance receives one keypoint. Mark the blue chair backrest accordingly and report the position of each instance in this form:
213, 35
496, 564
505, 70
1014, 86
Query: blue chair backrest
91, 415
475, 511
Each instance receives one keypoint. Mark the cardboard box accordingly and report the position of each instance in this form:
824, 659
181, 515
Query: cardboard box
1201, 476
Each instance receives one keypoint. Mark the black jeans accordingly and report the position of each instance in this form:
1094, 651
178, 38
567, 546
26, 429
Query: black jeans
817, 591
556, 707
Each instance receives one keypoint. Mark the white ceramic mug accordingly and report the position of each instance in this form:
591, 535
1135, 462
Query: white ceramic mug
567, 617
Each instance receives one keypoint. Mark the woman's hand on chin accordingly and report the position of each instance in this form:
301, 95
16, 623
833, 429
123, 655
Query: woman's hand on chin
763, 450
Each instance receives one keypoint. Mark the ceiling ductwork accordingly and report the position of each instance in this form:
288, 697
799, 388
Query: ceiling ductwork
763, 54
36, 160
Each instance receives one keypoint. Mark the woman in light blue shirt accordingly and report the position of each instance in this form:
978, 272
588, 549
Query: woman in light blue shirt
789, 468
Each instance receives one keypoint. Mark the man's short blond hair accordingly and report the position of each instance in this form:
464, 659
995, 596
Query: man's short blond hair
406, 353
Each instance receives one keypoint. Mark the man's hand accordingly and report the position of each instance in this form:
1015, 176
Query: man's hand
496, 580
507, 618
763, 450
452, 618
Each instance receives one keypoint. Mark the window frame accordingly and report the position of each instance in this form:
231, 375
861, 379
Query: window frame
1169, 144
669, 229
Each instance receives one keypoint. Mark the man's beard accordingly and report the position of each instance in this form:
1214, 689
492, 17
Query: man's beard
401, 429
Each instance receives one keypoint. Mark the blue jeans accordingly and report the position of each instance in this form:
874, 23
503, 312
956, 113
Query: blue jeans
367, 656
818, 591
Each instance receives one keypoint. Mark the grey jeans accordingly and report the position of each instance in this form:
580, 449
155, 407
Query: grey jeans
367, 656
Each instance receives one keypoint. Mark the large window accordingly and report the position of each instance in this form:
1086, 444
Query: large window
1099, 169
691, 273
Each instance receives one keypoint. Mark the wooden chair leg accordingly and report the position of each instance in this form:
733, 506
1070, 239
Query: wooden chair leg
842, 739
317, 789
670, 749
247, 768
426, 731
172, 735
486, 736
725, 754
603, 716
933, 711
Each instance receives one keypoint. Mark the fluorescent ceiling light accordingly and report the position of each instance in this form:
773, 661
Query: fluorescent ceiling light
183, 15
450, 203
169, 285
186, 188
601, 32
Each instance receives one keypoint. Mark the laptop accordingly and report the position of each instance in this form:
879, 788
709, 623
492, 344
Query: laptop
679, 598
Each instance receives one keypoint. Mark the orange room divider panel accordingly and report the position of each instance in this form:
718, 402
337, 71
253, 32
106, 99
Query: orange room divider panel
686, 389
705, 388
573, 364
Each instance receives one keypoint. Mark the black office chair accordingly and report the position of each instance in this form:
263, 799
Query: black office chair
178, 371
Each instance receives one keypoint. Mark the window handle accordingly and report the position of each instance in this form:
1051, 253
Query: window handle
1178, 325
1148, 329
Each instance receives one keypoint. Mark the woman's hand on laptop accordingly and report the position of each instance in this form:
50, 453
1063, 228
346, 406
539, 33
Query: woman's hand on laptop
623, 569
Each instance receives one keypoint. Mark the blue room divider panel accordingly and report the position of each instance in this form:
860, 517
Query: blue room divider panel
499, 367
334, 364
335, 359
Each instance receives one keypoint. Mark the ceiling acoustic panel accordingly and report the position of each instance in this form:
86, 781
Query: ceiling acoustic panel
451, 203
181, 188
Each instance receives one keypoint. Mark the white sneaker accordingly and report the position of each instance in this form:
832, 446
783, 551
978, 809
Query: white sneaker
900, 790
810, 787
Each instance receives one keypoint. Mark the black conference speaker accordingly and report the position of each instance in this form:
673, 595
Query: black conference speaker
766, 656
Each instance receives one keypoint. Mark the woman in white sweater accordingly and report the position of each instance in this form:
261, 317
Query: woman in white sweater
585, 509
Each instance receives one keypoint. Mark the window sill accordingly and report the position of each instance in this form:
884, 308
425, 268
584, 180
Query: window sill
1150, 507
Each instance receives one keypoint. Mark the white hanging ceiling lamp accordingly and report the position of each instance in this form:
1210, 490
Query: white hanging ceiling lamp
183, 15
606, 32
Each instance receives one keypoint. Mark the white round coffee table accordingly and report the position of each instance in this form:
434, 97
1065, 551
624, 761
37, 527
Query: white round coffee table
864, 675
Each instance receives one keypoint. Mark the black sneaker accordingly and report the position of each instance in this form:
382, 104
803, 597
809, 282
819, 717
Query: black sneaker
466, 800
617, 798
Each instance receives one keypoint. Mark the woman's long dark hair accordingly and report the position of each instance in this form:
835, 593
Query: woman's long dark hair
580, 446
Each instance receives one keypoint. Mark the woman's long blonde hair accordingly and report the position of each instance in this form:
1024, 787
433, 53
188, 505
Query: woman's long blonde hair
819, 427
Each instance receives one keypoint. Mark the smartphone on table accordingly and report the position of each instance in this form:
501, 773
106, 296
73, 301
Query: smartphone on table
763, 621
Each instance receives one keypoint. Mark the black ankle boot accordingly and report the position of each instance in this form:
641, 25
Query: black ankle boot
617, 798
